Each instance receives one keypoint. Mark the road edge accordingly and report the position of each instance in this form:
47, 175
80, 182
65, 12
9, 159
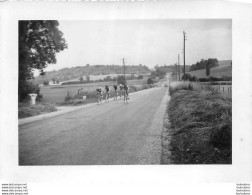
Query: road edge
166, 137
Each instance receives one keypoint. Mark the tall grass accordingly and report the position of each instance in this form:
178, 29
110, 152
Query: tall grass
27, 110
200, 125
185, 85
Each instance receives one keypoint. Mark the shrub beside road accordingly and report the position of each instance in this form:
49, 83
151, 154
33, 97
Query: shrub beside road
200, 126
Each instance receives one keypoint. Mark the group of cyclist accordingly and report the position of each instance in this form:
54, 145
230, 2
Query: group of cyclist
122, 91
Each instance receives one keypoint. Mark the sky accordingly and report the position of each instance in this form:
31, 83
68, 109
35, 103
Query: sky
146, 42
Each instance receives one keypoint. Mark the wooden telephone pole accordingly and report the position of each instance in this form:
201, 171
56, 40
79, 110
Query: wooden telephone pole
178, 68
124, 70
176, 71
184, 33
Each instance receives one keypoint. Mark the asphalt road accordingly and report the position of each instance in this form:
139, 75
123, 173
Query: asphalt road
111, 133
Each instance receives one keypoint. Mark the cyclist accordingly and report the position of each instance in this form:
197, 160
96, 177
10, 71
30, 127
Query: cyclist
99, 95
115, 89
106, 93
121, 90
126, 93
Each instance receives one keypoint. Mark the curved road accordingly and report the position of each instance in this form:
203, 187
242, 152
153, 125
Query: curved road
110, 133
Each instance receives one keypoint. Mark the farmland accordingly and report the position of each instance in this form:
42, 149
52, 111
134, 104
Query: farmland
56, 94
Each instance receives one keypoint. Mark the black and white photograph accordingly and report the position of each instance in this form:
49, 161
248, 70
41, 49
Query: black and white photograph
125, 97
125, 92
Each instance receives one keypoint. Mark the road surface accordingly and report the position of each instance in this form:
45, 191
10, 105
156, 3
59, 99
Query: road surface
111, 133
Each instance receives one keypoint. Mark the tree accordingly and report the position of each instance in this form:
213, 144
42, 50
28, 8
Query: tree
53, 80
150, 81
140, 77
158, 73
207, 70
81, 79
186, 76
88, 78
46, 83
39, 41
212, 62
121, 80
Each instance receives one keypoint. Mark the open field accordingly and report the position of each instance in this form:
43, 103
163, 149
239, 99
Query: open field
56, 94
219, 72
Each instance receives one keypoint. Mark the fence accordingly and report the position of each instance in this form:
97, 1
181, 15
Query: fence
225, 90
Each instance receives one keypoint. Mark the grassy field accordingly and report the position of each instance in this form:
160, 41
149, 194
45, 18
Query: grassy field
219, 72
200, 127
57, 94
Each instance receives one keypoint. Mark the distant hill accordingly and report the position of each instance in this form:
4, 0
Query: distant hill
67, 74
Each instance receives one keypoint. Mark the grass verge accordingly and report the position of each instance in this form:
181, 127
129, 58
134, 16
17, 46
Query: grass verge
27, 110
199, 129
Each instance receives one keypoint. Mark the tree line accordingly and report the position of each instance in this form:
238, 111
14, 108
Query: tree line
205, 64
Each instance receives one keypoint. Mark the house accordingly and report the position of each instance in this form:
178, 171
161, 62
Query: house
54, 83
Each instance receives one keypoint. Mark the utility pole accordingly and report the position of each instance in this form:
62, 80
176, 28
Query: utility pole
184, 33
178, 68
124, 70
176, 71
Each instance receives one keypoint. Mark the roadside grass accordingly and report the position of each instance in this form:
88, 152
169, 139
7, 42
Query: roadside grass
185, 85
27, 110
200, 128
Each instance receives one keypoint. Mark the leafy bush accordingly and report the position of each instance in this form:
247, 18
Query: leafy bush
203, 80
26, 88
193, 79
150, 81
121, 80
46, 83
186, 77
68, 97
214, 79
226, 78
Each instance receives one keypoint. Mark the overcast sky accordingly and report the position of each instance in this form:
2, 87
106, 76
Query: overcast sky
147, 42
